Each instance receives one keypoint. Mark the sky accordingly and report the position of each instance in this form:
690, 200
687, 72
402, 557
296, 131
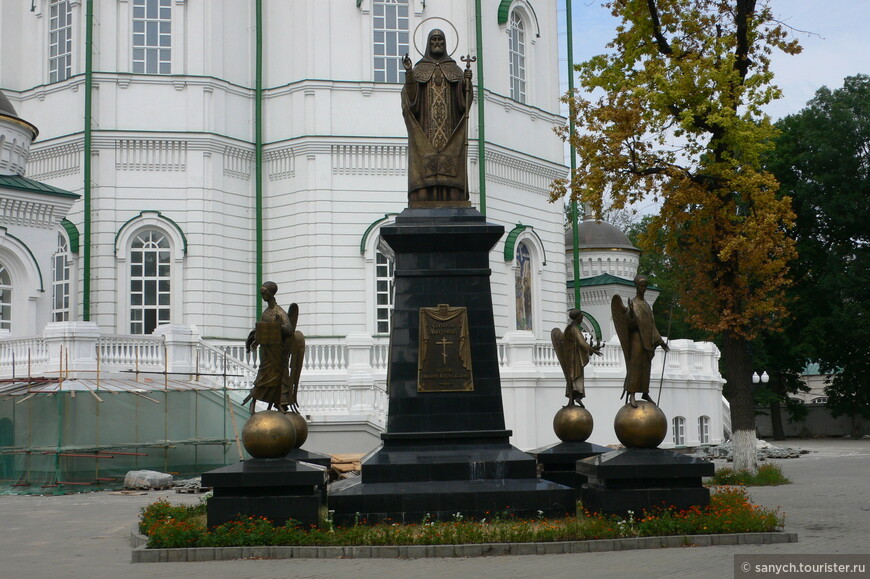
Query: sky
835, 35
835, 40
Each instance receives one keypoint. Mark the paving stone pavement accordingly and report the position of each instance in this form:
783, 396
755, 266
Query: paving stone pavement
87, 535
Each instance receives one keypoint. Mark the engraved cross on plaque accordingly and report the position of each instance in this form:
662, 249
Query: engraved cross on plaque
444, 343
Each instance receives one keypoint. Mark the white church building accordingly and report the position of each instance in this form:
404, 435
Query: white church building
159, 159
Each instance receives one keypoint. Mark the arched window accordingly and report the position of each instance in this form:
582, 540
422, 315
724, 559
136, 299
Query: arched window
150, 270
390, 39
523, 287
517, 55
59, 40
150, 251
704, 429
679, 428
379, 277
60, 286
383, 292
5, 299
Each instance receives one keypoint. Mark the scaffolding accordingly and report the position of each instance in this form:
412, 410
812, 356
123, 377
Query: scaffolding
60, 435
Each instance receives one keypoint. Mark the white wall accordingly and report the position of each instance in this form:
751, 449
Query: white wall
333, 159
691, 387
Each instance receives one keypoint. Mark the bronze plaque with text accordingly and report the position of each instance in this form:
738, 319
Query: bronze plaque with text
444, 359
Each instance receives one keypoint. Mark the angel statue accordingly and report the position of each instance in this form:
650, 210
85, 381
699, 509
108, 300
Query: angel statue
282, 350
639, 337
573, 352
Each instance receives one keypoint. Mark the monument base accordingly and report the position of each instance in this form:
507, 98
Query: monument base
446, 450
638, 479
276, 488
302, 455
408, 483
558, 462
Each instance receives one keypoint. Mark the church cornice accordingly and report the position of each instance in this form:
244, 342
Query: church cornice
28, 203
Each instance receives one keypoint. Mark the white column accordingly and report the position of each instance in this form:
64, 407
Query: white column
181, 342
519, 380
74, 344
360, 377
519, 350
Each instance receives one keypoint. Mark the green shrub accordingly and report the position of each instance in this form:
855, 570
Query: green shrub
174, 533
767, 475
161, 510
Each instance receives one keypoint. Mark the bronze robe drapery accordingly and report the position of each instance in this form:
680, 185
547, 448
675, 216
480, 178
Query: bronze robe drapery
273, 384
639, 337
573, 354
435, 103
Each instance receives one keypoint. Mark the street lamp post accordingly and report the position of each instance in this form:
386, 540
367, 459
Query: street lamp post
764, 378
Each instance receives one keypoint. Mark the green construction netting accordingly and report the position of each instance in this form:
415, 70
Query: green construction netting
60, 442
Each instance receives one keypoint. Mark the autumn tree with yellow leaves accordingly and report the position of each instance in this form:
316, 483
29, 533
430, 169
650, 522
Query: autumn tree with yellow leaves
674, 113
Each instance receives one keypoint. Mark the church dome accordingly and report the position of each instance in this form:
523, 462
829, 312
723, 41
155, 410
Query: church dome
595, 234
604, 250
6, 107
16, 134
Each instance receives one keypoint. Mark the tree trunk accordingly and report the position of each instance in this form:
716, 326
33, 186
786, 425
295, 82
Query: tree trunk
776, 420
735, 355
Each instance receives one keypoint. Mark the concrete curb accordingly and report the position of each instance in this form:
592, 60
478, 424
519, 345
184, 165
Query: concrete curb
143, 555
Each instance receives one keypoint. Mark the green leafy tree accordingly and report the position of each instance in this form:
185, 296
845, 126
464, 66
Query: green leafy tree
781, 352
676, 115
822, 159
670, 315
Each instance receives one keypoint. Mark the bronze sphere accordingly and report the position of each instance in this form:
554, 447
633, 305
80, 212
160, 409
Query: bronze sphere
301, 428
573, 424
268, 434
641, 427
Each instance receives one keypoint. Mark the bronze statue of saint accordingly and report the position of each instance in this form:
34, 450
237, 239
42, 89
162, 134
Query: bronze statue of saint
436, 99
282, 351
573, 352
639, 337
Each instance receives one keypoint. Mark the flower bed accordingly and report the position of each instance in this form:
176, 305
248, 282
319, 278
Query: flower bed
730, 511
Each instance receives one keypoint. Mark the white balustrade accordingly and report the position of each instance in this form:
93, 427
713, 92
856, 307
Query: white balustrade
545, 355
611, 357
21, 356
346, 377
218, 366
380, 355
324, 399
131, 352
380, 398
325, 356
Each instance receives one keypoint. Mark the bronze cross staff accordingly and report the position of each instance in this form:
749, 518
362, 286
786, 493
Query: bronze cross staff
444, 343
468, 60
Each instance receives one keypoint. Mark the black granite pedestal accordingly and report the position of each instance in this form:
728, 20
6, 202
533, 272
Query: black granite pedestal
445, 451
636, 479
276, 488
302, 455
559, 461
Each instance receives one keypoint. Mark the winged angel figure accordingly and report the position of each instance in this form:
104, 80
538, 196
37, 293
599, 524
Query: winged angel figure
638, 337
282, 351
573, 352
